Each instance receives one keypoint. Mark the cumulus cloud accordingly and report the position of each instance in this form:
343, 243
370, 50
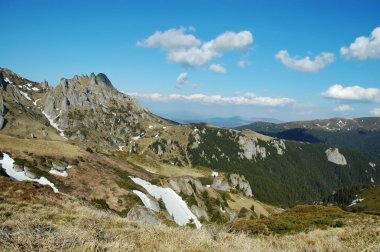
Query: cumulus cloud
217, 68
170, 40
375, 111
247, 99
343, 108
354, 93
243, 63
181, 79
364, 47
305, 64
185, 49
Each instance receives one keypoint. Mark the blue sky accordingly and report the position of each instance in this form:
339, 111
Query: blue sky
181, 58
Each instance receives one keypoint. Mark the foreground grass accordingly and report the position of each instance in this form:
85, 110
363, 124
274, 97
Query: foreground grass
32, 218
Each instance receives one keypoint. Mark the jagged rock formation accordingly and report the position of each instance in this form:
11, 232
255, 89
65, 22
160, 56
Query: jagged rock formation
334, 156
91, 110
251, 148
239, 182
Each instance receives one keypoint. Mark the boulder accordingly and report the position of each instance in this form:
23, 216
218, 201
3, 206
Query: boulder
18, 167
29, 173
199, 212
59, 166
143, 215
220, 183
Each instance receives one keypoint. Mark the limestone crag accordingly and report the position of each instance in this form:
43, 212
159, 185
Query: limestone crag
239, 182
335, 157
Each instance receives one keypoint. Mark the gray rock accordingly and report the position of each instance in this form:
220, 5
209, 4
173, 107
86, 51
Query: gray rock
143, 215
239, 182
59, 166
18, 168
220, 183
335, 157
199, 212
29, 173
2, 122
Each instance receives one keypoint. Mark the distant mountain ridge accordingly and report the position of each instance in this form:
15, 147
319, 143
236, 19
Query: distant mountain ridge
226, 122
359, 133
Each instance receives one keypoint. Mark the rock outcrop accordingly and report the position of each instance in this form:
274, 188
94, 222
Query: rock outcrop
335, 157
239, 182
251, 148
221, 183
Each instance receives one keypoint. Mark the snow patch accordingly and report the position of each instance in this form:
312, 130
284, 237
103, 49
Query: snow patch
373, 165
372, 180
355, 201
53, 124
7, 164
35, 89
7, 80
214, 174
135, 138
25, 95
150, 127
35, 102
173, 202
146, 201
58, 173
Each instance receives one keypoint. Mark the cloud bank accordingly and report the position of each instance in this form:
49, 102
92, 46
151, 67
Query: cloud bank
354, 93
247, 99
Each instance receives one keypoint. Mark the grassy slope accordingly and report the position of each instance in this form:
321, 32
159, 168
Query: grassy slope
33, 218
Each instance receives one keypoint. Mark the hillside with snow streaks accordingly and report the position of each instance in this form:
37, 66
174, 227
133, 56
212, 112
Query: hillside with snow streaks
173, 202
7, 164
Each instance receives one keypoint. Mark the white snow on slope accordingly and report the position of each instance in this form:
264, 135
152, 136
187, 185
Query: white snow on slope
58, 173
355, 201
173, 202
25, 95
35, 89
35, 102
53, 124
147, 202
7, 164
7, 80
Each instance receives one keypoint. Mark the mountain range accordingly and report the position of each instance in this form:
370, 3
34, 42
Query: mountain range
91, 141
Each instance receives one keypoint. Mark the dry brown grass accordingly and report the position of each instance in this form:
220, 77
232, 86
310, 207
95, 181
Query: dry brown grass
47, 222
40, 147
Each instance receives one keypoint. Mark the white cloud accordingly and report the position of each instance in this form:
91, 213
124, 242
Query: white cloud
247, 99
305, 64
243, 63
364, 47
187, 50
170, 40
217, 68
355, 93
193, 57
343, 108
375, 111
230, 41
182, 78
